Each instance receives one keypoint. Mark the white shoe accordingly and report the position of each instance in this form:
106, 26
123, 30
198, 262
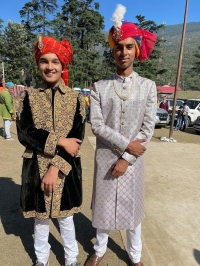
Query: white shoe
74, 264
41, 264
164, 139
172, 140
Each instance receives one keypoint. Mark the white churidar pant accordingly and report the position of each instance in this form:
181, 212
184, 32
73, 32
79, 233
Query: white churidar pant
67, 231
7, 124
134, 243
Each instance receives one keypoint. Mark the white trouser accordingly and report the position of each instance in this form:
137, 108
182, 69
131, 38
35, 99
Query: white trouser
7, 124
134, 243
67, 231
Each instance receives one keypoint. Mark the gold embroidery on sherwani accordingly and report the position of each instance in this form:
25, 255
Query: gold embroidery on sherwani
61, 164
65, 103
51, 142
22, 96
52, 203
82, 106
27, 154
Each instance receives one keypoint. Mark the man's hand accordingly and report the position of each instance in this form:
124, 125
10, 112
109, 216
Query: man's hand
120, 168
48, 184
136, 148
71, 145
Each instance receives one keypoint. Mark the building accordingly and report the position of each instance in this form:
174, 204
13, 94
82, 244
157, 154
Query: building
166, 90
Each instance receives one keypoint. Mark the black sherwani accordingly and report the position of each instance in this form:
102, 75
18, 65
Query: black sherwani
43, 117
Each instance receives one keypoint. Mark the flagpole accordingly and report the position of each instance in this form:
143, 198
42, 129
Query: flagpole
178, 69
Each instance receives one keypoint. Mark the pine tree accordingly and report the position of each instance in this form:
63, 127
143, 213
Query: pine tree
15, 52
81, 23
36, 15
1, 50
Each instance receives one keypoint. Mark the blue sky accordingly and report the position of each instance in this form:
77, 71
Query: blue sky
169, 11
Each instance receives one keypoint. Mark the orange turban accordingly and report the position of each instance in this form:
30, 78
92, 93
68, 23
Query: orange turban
145, 39
63, 50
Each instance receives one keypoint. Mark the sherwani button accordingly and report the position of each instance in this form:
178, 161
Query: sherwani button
122, 123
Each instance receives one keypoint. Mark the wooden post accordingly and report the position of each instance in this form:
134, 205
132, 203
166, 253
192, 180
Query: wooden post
178, 70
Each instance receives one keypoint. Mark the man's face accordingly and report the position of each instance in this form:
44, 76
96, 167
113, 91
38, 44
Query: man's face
124, 54
50, 69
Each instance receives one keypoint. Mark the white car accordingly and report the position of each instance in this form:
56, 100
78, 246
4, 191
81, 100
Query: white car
171, 103
194, 105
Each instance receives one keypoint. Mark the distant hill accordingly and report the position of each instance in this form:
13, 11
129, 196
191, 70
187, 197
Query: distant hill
170, 54
174, 30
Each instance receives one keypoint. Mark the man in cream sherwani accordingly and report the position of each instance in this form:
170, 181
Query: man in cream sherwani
123, 109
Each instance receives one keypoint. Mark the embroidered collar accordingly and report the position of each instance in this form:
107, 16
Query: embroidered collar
125, 79
62, 87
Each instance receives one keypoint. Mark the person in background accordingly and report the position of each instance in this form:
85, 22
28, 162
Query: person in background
7, 111
164, 104
50, 124
186, 110
123, 112
87, 108
179, 118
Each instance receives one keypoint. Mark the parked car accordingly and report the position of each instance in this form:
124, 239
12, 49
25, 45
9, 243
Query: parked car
194, 105
171, 103
162, 117
196, 125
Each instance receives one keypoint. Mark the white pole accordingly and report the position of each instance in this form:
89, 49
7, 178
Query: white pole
3, 70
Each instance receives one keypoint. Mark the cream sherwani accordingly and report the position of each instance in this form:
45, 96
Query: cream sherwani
118, 203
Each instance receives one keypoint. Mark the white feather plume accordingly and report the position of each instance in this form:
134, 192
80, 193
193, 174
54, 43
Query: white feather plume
118, 15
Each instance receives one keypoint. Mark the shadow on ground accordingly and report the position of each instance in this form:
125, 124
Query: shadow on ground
11, 218
14, 223
197, 255
85, 233
1, 131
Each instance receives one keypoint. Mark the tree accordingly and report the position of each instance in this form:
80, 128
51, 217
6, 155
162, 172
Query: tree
196, 67
35, 14
16, 53
81, 23
28, 12
1, 48
1, 37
